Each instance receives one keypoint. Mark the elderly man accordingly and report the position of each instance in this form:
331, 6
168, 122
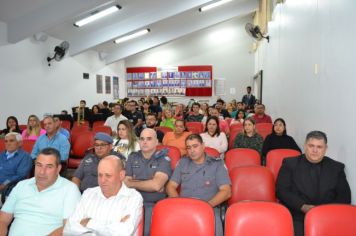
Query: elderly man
53, 139
311, 179
42, 204
15, 164
148, 171
202, 177
86, 175
110, 209
114, 120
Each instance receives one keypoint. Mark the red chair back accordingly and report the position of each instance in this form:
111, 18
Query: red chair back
84, 123
27, 145
275, 158
164, 129
98, 123
253, 183
331, 220
233, 133
182, 216
173, 153
195, 127
258, 218
264, 129
228, 120
212, 152
2, 145
82, 143
236, 126
22, 127
104, 129
238, 157
65, 124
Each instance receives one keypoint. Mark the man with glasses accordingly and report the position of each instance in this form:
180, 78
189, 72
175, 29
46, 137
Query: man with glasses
148, 170
86, 175
15, 163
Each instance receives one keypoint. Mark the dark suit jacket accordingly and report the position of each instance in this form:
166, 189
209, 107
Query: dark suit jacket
249, 102
295, 188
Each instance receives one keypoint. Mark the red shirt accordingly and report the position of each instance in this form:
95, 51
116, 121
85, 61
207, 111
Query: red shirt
264, 119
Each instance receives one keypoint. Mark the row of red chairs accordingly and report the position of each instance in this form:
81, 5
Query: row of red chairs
183, 216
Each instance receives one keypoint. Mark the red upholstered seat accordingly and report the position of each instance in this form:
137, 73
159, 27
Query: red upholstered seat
212, 152
104, 129
182, 217
275, 158
238, 157
173, 153
195, 127
264, 129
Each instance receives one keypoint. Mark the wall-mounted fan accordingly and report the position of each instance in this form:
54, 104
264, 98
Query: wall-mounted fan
255, 32
59, 52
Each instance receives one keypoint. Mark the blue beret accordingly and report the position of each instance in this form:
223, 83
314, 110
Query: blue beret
103, 137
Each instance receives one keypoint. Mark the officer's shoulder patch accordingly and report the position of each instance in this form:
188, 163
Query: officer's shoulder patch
167, 158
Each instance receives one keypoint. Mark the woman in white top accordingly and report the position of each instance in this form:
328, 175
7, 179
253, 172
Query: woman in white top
212, 136
127, 141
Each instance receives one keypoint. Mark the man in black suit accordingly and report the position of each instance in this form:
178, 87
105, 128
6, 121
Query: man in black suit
311, 179
248, 99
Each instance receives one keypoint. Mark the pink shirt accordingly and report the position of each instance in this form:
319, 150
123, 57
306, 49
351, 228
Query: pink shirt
264, 119
32, 137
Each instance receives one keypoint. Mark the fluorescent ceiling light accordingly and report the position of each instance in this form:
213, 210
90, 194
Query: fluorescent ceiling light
131, 36
215, 4
97, 15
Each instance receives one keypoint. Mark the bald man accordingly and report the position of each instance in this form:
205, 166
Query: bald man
148, 170
109, 209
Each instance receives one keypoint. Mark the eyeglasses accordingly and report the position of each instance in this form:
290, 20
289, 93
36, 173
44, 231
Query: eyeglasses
100, 145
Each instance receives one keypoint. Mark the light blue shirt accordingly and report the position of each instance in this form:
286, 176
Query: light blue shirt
39, 213
58, 141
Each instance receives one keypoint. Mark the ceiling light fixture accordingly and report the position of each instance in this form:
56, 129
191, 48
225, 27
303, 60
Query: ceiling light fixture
131, 36
215, 4
97, 15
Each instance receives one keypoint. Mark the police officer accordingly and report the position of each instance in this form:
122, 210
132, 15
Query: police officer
148, 171
86, 175
202, 177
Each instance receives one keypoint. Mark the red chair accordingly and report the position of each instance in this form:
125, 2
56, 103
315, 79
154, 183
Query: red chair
212, 152
236, 126
140, 226
275, 158
331, 220
98, 123
164, 129
195, 127
173, 153
2, 145
228, 120
66, 124
264, 129
253, 183
182, 217
27, 145
233, 133
104, 129
22, 127
238, 157
258, 218
81, 145
75, 132
84, 123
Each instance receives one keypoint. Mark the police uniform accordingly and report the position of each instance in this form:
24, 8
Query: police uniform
87, 171
140, 168
202, 181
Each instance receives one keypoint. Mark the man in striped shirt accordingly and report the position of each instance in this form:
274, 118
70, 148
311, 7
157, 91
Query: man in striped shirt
109, 209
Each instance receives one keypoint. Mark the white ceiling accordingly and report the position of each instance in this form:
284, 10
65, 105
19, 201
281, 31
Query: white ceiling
167, 20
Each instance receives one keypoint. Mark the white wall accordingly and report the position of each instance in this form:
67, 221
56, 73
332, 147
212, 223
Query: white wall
225, 46
306, 34
28, 85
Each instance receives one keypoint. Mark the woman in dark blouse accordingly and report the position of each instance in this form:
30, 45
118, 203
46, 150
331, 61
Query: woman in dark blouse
12, 125
278, 138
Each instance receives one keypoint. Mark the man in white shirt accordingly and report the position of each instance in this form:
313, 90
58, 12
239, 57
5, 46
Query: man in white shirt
114, 120
109, 209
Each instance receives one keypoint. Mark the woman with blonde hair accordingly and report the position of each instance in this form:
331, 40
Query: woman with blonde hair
249, 138
33, 130
127, 140
167, 119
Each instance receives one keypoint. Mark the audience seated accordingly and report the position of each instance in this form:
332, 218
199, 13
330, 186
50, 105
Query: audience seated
310, 180
224, 126
58, 125
12, 125
240, 117
195, 116
201, 176
109, 209
33, 130
148, 170
213, 137
249, 138
134, 116
85, 176
114, 120
53, 139
167, 119
278, 138
260, 116
15, 163
220, 107
177, 137
156, 108
82, 111
152, 123
40, 205
127, 140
